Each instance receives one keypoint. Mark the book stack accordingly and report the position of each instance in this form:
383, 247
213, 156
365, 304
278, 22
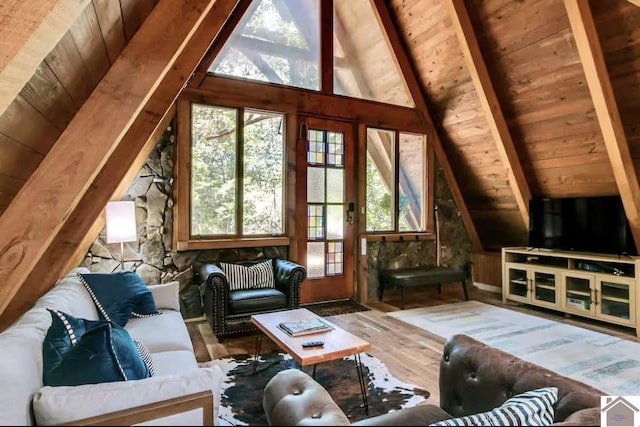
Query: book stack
305, 327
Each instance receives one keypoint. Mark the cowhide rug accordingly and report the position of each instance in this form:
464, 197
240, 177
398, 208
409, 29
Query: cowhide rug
241, 400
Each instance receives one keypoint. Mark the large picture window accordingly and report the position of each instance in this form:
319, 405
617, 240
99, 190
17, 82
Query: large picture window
237, 170
396, 181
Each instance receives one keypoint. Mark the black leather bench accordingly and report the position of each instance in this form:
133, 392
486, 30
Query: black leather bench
420, 276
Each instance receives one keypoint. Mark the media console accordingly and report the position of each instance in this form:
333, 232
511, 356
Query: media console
597, 286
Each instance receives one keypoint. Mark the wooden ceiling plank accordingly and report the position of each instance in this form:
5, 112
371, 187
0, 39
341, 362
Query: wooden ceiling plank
604, 101
46, 94
88, 38
17, 160
98, 130
40, 135
29, 30
134, 12
72, 243
490, 105
405, 66
66, 63
109, 16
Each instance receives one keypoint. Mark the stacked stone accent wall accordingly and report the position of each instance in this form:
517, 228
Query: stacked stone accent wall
152, 258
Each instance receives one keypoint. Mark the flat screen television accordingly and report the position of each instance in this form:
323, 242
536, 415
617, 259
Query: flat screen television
585, 224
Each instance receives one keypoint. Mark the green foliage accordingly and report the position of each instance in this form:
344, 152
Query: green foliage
214, 180
378, 200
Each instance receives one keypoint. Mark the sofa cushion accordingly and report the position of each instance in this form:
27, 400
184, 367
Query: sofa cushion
256, 300
531, 408
256, 276
161, 333
119, 296
61, 405
69, 295
79, 351
173, 362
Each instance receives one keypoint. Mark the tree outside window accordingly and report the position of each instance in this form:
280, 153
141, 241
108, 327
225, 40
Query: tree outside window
396, 171
236, 177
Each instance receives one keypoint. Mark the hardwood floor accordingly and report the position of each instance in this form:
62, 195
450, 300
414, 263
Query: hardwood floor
411, 354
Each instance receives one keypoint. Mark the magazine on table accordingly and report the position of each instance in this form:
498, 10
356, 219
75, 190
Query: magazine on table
305, 327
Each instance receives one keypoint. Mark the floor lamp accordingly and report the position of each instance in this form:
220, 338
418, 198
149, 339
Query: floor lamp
121, 224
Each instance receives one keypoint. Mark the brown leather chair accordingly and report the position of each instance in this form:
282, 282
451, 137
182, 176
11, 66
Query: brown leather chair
229, 312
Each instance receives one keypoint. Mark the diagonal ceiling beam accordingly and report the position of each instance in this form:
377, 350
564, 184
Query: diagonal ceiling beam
413, 85
29, 30
491, 106
97, 131
604, 101
239, 17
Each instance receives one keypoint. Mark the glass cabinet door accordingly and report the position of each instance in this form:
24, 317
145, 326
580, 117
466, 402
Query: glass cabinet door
615, 300
544, 287
578, 293
517, 283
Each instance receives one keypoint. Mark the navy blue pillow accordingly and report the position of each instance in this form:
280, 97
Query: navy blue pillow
119, 296
79, 351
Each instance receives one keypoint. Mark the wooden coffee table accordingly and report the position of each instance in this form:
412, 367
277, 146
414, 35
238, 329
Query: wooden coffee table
338, 343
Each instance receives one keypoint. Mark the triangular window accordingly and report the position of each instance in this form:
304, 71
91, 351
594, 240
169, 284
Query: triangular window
363, 64
276, 41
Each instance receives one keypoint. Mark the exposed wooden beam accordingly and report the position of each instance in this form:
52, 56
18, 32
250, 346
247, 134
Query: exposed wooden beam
326, 46
604, 101
244, 93
235, 19
491, 105
70, 246
29, 30
395, 43
98, 131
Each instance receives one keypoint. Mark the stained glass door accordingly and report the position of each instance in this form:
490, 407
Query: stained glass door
324, 223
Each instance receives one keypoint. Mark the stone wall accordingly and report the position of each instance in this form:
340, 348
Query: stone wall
152, 258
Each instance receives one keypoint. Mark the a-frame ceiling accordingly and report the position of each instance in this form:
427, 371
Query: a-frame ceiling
528, 97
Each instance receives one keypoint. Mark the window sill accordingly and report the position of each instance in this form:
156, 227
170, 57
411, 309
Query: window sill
200, 244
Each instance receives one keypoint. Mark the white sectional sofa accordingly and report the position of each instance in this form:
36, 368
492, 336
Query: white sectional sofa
180, 393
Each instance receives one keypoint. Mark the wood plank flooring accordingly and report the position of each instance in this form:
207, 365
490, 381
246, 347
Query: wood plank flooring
411, 354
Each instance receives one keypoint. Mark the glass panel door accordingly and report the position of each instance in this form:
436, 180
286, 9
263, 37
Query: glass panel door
325, 168
578, 293
615, 299
518, 283
544, 287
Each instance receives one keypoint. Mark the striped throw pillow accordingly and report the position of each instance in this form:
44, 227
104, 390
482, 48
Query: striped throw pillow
255, 276
532, 408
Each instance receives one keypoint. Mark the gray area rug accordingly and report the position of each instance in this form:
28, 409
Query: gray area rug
608, 363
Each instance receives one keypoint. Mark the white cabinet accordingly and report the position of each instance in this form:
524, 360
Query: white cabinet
591, 285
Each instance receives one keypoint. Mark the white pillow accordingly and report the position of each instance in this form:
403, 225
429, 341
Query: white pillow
255, 276
531, 408
62, 405
166, 295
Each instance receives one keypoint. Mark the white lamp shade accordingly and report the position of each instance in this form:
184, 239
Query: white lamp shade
121, 222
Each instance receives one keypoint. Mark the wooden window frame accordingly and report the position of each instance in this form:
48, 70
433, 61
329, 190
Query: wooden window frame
428, 189
182, 237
